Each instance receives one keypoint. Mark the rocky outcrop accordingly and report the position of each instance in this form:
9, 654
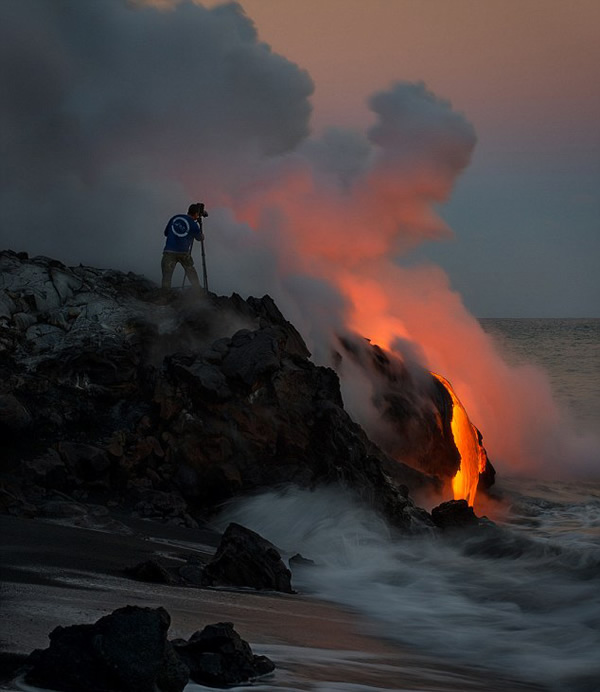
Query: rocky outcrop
217, 656
128, 651
455, 514
151, 571
271, 418
246, 559
111, 395
415, 405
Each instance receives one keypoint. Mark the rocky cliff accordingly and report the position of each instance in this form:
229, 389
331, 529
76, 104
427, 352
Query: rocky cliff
112, 395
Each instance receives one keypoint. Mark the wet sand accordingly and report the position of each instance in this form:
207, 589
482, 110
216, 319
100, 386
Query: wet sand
54, 575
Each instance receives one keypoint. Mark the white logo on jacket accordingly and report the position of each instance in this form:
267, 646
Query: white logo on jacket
180, 226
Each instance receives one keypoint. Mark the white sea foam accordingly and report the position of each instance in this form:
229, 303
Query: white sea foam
529, 608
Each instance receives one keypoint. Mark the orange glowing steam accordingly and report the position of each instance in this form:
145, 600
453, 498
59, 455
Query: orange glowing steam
472, 462
352, 237
370, 312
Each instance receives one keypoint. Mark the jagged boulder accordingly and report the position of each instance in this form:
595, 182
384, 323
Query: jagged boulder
282, 421
252, 356
415, 405
192, 572
217, 656
246, 559
298, 560
454, 514
125, 651
263, 312
128, 651
169, 408
152, 571
206, 379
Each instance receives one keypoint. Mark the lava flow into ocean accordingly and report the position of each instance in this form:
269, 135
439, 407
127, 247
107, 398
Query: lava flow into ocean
473, 457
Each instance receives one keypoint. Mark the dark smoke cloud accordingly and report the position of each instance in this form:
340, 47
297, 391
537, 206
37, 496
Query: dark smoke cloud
415, 127
116, 115
340, 155
422, 145
113, 116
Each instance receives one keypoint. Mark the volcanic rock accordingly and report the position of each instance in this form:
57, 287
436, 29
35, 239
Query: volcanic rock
192, 573
219, 657
85, 461
62, 509
299, 560
417, 407
13, 415
157, 504
488, 476
150, 571
123, 652
167, 410
128, 651
455, 514
245, 559
208, 381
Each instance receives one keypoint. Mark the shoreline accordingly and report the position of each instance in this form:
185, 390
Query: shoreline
53, 574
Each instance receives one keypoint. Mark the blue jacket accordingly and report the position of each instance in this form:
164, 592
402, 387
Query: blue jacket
180, 233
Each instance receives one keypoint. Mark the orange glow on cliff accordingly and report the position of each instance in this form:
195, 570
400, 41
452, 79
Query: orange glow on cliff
349, 239
464, 483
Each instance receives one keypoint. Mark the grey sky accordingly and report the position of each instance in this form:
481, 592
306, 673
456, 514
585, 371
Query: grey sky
109, 123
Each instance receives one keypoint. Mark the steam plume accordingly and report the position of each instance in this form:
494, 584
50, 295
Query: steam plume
115, 115
119, 114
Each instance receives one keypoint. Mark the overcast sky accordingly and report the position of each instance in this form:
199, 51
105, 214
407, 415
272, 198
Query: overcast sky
389, 167
526, 74
93, 120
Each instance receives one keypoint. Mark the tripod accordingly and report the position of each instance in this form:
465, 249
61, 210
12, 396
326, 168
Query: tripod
204, 274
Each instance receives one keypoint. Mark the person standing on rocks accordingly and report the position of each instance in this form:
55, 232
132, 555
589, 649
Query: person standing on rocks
181, 231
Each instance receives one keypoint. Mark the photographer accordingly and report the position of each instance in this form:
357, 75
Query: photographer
181, 231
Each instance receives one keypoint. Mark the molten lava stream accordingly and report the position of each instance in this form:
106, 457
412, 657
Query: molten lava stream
464, 483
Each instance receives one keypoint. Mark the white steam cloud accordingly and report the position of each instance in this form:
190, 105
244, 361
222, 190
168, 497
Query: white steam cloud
117, 114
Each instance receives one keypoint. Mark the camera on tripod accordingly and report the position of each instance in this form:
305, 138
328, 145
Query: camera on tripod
202, 211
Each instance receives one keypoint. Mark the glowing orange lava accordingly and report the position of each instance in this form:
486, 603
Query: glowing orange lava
464, 483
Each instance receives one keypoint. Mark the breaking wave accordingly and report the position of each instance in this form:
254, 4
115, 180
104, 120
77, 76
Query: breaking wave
520, 598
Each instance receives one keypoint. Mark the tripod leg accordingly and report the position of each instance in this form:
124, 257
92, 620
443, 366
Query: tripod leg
204, 274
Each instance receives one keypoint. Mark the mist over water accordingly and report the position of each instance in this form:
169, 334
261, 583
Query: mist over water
521, 600
523, 606
569, 352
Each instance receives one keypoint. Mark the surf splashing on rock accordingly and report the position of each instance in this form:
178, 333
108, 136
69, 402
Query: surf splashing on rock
498, 599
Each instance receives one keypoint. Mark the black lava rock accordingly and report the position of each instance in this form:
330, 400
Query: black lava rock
150, 571
244, 558
219, 657
454, 514
126, 651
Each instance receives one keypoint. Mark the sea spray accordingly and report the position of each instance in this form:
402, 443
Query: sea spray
501, 599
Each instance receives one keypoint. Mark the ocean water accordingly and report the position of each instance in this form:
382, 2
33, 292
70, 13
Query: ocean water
514, 607
569, 352
521, 600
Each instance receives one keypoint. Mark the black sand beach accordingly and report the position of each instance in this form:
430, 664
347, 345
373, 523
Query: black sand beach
54, 574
